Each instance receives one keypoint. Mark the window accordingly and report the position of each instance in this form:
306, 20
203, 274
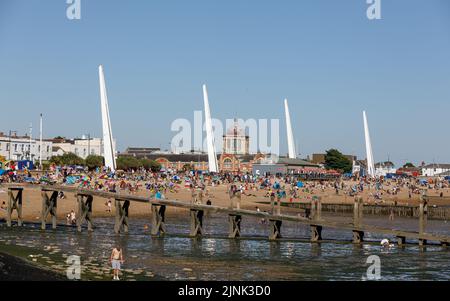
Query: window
227, 164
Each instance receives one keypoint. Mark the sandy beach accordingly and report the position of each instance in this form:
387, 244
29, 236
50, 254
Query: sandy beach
32, 205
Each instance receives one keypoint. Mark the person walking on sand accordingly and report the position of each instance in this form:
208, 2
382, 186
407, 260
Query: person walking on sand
116, 259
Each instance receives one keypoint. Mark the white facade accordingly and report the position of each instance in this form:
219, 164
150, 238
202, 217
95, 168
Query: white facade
22, 148
235, 141
382, 169
81, 147
433, 170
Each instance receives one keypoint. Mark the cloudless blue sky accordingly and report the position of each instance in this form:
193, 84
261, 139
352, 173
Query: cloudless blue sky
325, 56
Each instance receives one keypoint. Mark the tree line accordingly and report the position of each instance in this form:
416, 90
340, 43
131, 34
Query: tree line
93, 161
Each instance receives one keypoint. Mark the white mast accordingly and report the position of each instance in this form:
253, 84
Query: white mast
370, 163
290, 134
212, 157
108, 144
40, 144
29, 146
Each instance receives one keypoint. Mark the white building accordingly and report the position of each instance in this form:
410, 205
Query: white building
384, 168
81, 147
18, 148
433, 170
235, 141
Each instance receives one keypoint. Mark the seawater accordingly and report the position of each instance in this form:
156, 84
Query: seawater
215, 257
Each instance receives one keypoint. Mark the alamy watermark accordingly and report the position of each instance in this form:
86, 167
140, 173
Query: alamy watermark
255, 136
73, 272
374, 10
374, 270
73, 11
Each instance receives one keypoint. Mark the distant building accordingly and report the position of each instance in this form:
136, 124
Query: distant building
433, 170
18, 148
359, 168
283, 166
140, 152
384, 168
235, 141
82, 147
234, 158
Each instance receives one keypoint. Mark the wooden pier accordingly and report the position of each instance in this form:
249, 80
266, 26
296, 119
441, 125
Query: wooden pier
85, 198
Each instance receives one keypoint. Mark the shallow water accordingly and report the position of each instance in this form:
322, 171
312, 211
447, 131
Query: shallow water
215, 257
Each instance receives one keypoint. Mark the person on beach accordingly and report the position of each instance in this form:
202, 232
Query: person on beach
116, 260
73, 218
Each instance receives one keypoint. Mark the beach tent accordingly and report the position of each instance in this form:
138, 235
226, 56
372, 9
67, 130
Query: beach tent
2, 172
423, 181
300, 184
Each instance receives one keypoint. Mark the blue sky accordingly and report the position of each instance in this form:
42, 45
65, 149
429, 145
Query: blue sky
325, 56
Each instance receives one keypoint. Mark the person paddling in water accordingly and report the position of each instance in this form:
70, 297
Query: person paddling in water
116, 259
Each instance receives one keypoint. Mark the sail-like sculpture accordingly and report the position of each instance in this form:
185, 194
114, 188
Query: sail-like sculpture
212, 157
290, 134
108, 144
370, 163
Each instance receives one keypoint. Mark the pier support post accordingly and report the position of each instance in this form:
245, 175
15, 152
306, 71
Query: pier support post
358, 211
48, 207
84, 211
358, 236
275, 229
401, 241
316, 233
121, 222
234, 222
316, 209
423, 214
14, 203
196, 222
158, 220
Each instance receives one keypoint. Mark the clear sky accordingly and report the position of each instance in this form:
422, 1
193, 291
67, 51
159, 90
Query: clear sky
325, 56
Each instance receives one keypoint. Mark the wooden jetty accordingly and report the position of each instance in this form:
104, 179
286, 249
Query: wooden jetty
316, 223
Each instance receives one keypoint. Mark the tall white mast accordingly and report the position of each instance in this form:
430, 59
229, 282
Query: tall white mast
370, 163
290, 134
29, 146
40, 143
212, 157
108, 144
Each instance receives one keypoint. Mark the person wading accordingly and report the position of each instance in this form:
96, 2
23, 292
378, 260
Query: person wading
116, 259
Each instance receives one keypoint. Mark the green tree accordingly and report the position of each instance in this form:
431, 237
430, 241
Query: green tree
150, 164
334, 159
94, 161
408, 165
127, 163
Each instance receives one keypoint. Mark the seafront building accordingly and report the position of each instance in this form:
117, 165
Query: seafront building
81, 147
17, 148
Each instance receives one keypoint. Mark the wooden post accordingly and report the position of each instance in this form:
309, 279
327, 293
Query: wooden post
358, 211
358, 236
423, 214
158, 220
14, 203
121, 216
316, 233
234, 224
272, 204
84, 211
401, 241
196, 223
275, 229
48, 207
316, 209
